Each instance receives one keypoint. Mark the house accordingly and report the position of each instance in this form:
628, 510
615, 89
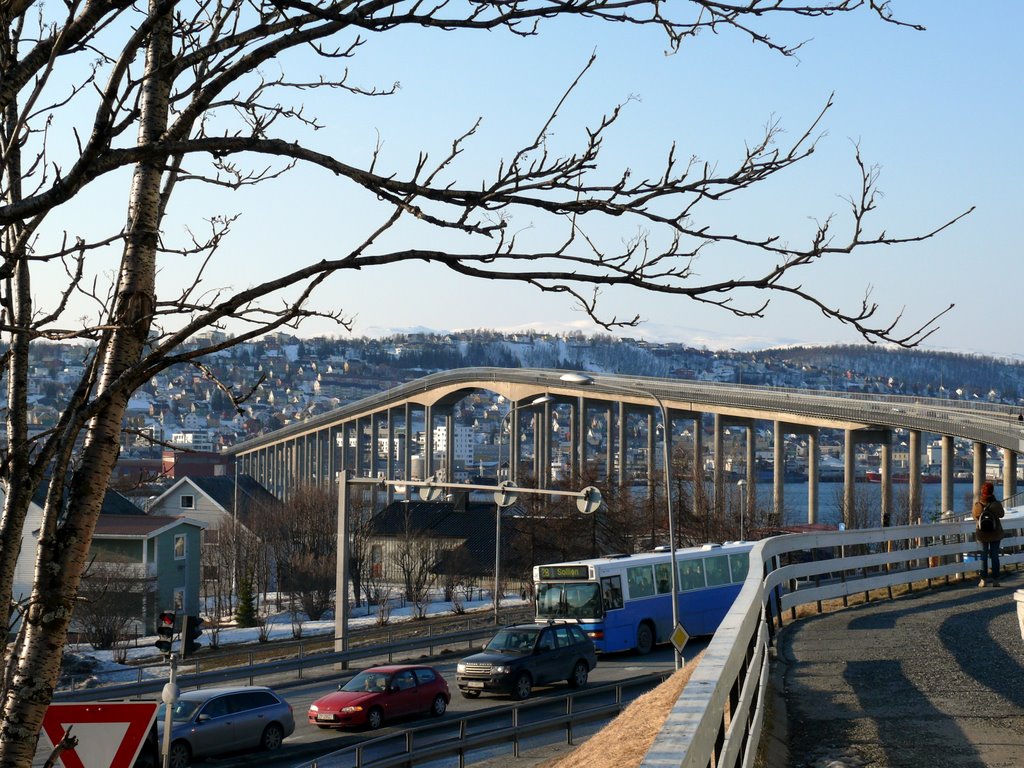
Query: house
165, 552
213, 500
461, 534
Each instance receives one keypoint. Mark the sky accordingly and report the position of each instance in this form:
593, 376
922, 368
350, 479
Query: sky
937, 111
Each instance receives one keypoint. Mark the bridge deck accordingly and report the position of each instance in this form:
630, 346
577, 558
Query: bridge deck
931, 679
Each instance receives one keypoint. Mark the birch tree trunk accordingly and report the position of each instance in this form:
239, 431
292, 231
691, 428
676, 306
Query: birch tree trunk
67, 529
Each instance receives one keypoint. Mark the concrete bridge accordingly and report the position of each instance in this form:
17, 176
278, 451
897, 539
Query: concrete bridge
376, 436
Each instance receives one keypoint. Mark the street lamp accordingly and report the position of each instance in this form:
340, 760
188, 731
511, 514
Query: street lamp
583, 379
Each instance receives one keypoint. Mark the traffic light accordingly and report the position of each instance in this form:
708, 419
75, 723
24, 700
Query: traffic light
165, 632
191, 629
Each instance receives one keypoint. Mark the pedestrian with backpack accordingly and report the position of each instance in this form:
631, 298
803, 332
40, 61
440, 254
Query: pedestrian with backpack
988, 532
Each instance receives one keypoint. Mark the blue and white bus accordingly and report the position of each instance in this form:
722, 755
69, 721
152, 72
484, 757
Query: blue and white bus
624, 602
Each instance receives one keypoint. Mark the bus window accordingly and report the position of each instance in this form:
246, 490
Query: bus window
640, 581
557, 600
717, 569
691, 575
611, 588
663, 575
739, 564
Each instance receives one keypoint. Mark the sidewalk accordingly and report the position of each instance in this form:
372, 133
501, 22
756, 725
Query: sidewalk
929, 680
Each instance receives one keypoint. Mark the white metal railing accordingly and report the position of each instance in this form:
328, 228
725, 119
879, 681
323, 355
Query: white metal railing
718, 718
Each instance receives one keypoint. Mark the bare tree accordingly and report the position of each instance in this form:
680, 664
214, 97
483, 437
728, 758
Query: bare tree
164, 94
301, 543
418, 556
218, 576
112, 601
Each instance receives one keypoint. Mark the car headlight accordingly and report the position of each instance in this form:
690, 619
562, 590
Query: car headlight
501, 669
314, 708
460, 668
356, 708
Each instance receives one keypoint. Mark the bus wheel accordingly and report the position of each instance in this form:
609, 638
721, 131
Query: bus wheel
644, 639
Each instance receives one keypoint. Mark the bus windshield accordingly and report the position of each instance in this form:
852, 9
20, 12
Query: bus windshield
566, 600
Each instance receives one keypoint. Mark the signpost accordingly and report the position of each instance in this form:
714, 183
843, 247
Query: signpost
110, 735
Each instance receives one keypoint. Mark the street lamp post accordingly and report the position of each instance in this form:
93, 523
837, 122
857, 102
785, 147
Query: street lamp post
579, 378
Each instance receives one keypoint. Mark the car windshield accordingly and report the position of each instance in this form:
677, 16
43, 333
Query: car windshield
367, 681
513, 641
561, 600
182, 711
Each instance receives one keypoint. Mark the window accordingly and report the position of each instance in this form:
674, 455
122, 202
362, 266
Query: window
404, 680
425, 675
377, 560
562, 633
188, 501
640, 581
663, 575
216, 708
739, 564
577, 634
717, 569
691, 575
547, 641
179, 546
611, 589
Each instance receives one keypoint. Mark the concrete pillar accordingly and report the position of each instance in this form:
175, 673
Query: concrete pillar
886, 471
650, 453
449, 445
979, 454
428, 442
623, 443
779, 445
1009, 473
719, 470
374, 444
698, 451
582, 428
947, 475
849, 477
813, 452
751, 470
609, 443
513, 442
407, 443
914, 481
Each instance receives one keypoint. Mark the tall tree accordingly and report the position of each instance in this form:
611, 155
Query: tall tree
165, 94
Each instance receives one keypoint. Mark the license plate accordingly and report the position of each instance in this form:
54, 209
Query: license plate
325, 717
474, 684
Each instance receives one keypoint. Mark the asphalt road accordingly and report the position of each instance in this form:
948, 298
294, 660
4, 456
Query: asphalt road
309, 742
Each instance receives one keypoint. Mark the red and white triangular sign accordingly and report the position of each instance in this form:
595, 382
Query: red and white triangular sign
110, 734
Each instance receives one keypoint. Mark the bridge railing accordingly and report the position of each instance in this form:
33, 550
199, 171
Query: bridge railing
719, 716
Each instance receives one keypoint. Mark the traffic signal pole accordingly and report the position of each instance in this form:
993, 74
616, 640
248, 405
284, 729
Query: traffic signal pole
170, 698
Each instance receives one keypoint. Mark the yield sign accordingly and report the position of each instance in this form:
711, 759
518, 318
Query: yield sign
110, 735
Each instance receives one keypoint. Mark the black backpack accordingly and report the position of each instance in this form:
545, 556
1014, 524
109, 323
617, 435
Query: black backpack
987, 520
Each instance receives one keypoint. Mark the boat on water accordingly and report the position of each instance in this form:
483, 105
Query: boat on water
875, 476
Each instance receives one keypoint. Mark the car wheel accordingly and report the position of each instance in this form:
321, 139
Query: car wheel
644, 640
180, 755
439, 705
522, 687
374, 719
470, 694
578, 678
272, 737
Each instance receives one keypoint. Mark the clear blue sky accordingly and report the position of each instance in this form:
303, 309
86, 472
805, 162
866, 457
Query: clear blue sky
939, 111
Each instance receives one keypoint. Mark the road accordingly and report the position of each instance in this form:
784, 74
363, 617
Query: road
309, 742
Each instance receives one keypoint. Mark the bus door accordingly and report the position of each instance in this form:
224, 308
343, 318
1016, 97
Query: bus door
618, 635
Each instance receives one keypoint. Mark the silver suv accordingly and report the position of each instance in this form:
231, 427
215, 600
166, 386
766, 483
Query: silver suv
214, 721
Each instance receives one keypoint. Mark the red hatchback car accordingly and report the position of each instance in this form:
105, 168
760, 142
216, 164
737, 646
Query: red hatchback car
382, 693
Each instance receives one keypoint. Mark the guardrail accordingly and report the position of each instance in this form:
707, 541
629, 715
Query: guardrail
250, 672
511, 725
717, 719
